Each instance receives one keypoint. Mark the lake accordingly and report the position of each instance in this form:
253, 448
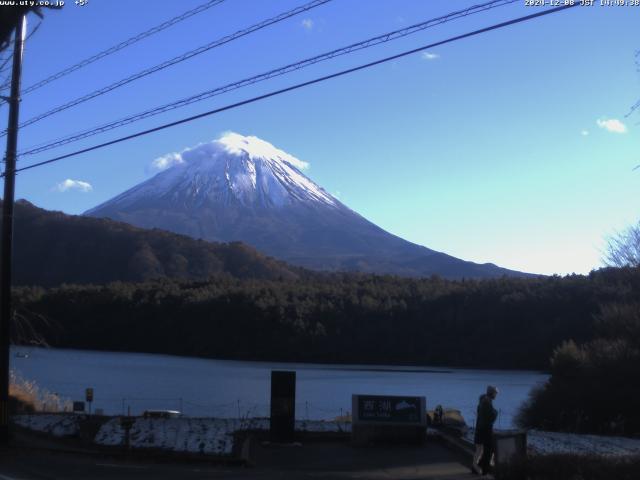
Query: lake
223, 388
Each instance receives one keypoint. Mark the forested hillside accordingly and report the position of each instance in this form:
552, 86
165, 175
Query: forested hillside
506, 323
51, 248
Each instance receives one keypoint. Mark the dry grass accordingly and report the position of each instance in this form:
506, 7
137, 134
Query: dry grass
31, 397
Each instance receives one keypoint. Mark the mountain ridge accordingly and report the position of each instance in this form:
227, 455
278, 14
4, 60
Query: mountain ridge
241, 188
51, 248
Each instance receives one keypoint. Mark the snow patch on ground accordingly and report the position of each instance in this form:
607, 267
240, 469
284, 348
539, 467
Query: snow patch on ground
322, 426
213, 436
56, 425
545, 443
207, 436
542, 443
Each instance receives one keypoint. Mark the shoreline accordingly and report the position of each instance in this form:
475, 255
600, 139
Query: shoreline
338, 366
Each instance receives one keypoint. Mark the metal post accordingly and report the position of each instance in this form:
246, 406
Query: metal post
7, 229
283, 406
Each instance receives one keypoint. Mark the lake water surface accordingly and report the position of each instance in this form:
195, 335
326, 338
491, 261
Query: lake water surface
224, 388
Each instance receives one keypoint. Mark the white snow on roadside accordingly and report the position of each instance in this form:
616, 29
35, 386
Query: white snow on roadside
213, 436
53, 424
545, 443
542, 443
207, 436
197, 435
318, 426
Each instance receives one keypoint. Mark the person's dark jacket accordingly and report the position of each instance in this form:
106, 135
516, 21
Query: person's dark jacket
486, 417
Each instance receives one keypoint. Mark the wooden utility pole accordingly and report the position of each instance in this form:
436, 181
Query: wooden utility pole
7, 228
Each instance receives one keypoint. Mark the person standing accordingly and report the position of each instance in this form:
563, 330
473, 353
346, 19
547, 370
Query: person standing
483, 437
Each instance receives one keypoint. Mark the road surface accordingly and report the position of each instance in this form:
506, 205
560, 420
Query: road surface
311, 461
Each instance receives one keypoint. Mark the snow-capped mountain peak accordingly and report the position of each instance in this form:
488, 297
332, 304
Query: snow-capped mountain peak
264, 163
243, 188
234, 168
257, 149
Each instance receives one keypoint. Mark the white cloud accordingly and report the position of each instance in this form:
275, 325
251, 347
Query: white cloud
70, 184
307, 24
165, 161
613, 125
584, 133
429, 56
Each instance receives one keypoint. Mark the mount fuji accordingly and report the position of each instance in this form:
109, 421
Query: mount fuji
242, 188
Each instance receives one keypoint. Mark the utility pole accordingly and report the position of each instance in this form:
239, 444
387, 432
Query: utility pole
7, 228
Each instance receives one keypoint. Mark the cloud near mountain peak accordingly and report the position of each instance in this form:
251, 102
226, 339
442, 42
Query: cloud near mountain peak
229, 142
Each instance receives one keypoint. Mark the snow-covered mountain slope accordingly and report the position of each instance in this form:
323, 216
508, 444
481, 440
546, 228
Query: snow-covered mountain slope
243, 188
234, 169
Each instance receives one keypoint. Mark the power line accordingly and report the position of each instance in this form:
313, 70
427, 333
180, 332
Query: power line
33, 32
6, 83
301, 85
4, 67
636, 105
384, 38
123, 44
180, 58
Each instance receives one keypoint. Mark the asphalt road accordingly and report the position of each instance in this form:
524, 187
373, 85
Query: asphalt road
316, 461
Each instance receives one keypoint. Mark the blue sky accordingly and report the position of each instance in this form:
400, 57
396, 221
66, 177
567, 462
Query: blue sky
511, 147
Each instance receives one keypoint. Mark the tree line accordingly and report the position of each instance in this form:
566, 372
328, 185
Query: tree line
595, 384
356, 318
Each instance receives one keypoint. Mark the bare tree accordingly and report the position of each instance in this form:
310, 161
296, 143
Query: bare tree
623, 249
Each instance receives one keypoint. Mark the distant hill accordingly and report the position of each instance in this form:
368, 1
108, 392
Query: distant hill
51, 248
